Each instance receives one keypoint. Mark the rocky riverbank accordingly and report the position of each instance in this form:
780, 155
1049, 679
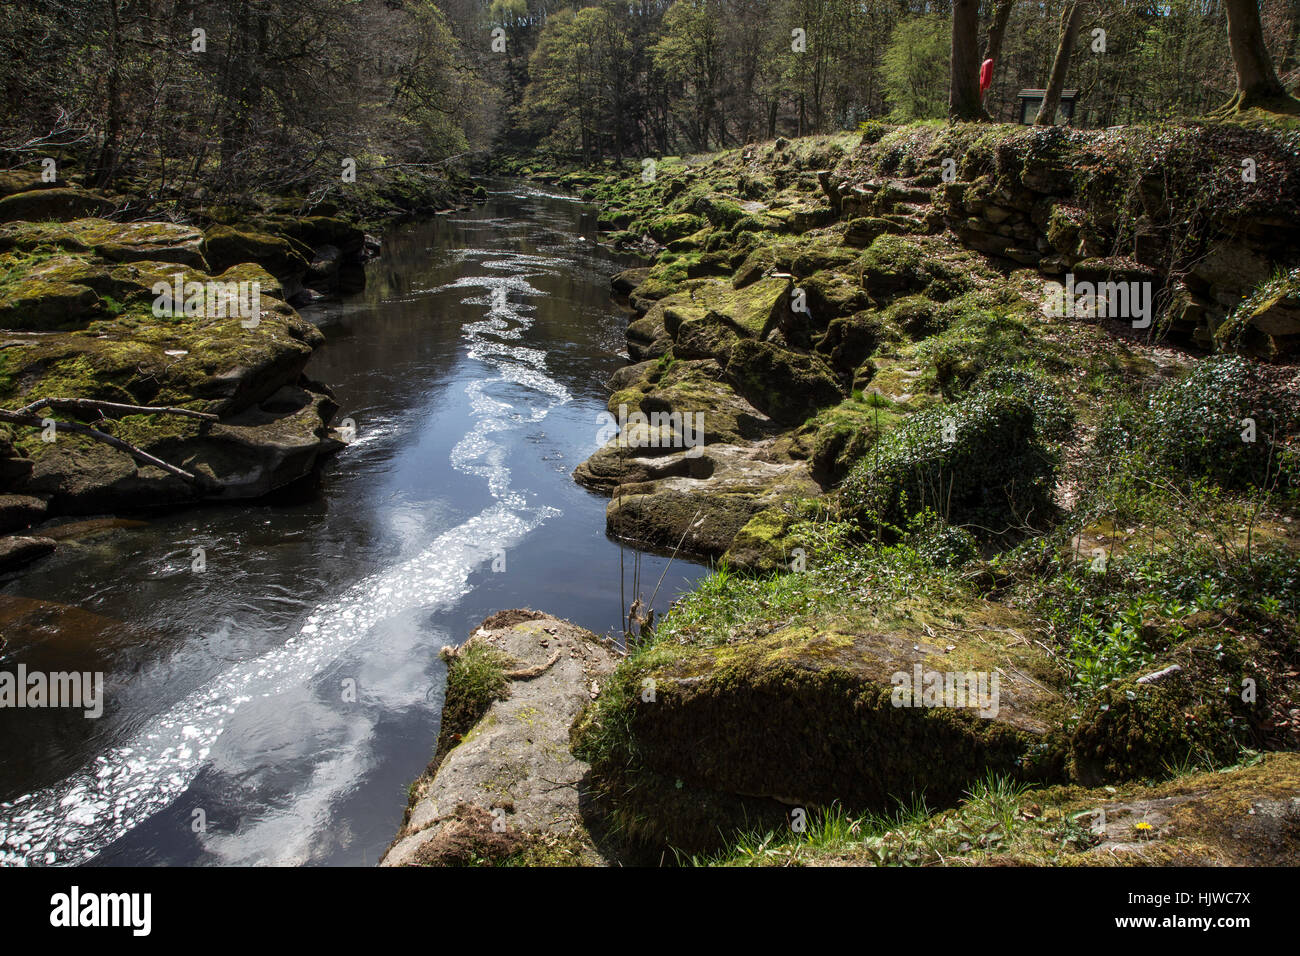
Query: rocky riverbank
86, 342
811, 294
503, 785
854, 385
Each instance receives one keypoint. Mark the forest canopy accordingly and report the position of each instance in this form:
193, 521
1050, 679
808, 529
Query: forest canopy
281, 93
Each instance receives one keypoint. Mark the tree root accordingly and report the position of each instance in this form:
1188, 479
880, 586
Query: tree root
1280, 102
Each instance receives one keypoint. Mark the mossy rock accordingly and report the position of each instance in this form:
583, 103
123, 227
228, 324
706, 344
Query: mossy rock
1141, 728
843, 434
226, 246
800, 257
851, 340
897, 264
665, 229
59, 204
916, 315
314, 231
647, 338
707, 322
44, 305
688, 387
114, 241
475, 680
661, 518
718, 210
1246, 815
208, 364
24, 180
763, 544
833, 295
811, 715
750, 312
788, 386
863, 231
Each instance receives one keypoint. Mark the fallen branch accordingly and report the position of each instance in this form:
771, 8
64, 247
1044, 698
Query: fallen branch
93, 405
26, 416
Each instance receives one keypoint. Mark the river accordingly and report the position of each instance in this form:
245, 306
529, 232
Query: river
273, 707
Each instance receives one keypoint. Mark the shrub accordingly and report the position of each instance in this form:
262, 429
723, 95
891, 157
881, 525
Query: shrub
980, 461
1192, 429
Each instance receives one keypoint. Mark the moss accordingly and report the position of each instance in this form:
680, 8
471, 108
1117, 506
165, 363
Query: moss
788, 386
1198, 715
667, 228
43, 305
475, 680
842, 435
226, 246
750, 710
980, 461
763, 544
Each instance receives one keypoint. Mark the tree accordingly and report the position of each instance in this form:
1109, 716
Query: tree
1258, 85
913, 69
1071, 19
964, 64
690, 50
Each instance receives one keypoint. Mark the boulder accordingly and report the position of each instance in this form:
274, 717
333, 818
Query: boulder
20, 511
788, 386
703, 510
226, 246
60, 203
119, 242
248, 455
816, 715
17, 552
503, 757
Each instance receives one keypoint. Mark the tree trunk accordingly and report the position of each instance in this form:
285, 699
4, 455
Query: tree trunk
1071, 19
1289, 57
964, 80
998, 29
106, 164
1257, 82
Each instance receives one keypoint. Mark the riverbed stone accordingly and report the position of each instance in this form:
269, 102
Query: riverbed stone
20, 511
511, 765
247, 455
226, 246
17, 551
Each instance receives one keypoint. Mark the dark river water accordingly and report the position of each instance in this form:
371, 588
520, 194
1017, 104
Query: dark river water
273, 708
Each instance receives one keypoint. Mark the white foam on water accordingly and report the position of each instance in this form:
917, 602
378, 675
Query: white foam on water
74, 820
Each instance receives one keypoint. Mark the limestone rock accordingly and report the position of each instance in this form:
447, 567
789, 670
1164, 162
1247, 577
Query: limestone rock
513, 765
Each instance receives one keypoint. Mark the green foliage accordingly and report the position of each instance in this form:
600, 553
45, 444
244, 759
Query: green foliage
1192, 429
475, 678
980, 461
1054, 416
990, 820
915, 69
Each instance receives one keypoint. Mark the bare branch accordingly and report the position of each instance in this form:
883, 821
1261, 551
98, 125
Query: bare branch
26, 416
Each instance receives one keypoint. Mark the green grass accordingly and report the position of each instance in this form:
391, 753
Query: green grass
993, 819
